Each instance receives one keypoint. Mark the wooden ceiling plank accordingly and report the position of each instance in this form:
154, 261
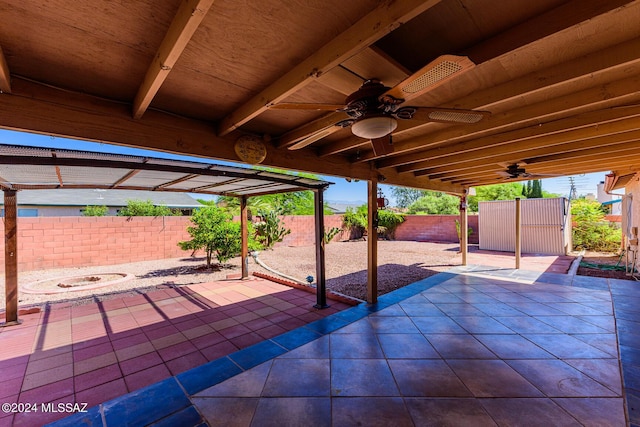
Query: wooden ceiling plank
594, 102
592, 166
184, 25
506, 152
373, 26
581, 121
5, 76
619, 58
603, 146
560, 161
552, 21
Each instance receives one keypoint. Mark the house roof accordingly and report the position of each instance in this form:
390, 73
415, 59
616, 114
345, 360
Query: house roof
101, 197
29, 168
558, 77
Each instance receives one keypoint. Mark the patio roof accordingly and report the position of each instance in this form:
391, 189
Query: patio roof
52, 168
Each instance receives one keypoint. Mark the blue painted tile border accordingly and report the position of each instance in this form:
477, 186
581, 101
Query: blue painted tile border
250, 357
214, 372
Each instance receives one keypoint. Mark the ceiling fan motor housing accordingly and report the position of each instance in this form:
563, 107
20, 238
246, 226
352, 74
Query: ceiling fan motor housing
365, 101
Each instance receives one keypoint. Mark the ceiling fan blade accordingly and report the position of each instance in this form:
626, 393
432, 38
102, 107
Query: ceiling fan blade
428, 77
448, 115
382, 146
306, 106
322, 133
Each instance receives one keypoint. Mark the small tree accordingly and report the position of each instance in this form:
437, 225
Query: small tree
215, 232
95, 210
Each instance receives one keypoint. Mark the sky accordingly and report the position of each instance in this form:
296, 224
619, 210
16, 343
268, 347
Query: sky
341, 191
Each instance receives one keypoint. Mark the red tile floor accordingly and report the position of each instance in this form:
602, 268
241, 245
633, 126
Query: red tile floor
94, 352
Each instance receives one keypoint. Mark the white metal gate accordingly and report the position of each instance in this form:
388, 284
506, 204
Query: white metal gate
546, 227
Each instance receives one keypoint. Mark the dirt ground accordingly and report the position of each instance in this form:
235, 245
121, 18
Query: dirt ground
599, 264
399, 264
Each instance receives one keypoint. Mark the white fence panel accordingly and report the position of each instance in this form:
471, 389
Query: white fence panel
546, 227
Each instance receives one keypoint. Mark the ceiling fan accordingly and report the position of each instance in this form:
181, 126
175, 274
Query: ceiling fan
515, 171
374, 109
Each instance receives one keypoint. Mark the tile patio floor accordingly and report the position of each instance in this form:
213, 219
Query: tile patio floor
95, 352
474, 346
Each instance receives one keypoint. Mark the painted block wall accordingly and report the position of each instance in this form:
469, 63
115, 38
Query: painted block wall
434, 228
58, 242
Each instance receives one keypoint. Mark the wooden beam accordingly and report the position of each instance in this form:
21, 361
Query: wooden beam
580, 121
40, 109
372, 241
518, 233
244, 238
567, 151
184, 25
372, 27
464, 225
550, 22
512, 145
321, 285
614, 60
11, 258
5, 76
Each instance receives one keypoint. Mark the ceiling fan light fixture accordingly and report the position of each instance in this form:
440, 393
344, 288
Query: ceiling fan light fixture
373, 127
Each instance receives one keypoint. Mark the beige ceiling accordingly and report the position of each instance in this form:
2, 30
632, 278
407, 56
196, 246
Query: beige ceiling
561, 80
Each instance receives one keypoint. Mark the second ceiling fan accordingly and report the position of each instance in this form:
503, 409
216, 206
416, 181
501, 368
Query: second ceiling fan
374, 109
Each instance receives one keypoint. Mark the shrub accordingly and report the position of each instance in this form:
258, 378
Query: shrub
388, 222
590, 230
215, 232
95, 211
357, 221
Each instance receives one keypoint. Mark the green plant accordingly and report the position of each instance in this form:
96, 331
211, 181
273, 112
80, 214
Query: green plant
469, 230
215, 232
270, 230
355, 221
147, 208
358, 220
95, 210
330, 234
590, 229
388, 222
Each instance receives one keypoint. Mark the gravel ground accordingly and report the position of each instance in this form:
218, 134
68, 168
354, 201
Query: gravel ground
400, 263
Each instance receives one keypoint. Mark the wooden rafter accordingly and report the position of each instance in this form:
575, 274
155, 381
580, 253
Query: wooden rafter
526, 147
5, 76
502, 143
373, 26
184, 25
613, 60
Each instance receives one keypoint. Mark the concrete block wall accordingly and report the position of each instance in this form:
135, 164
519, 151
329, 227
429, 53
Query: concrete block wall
56, 242
434, 228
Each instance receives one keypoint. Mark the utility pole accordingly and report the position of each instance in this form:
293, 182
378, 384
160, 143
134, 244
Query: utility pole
573, 192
